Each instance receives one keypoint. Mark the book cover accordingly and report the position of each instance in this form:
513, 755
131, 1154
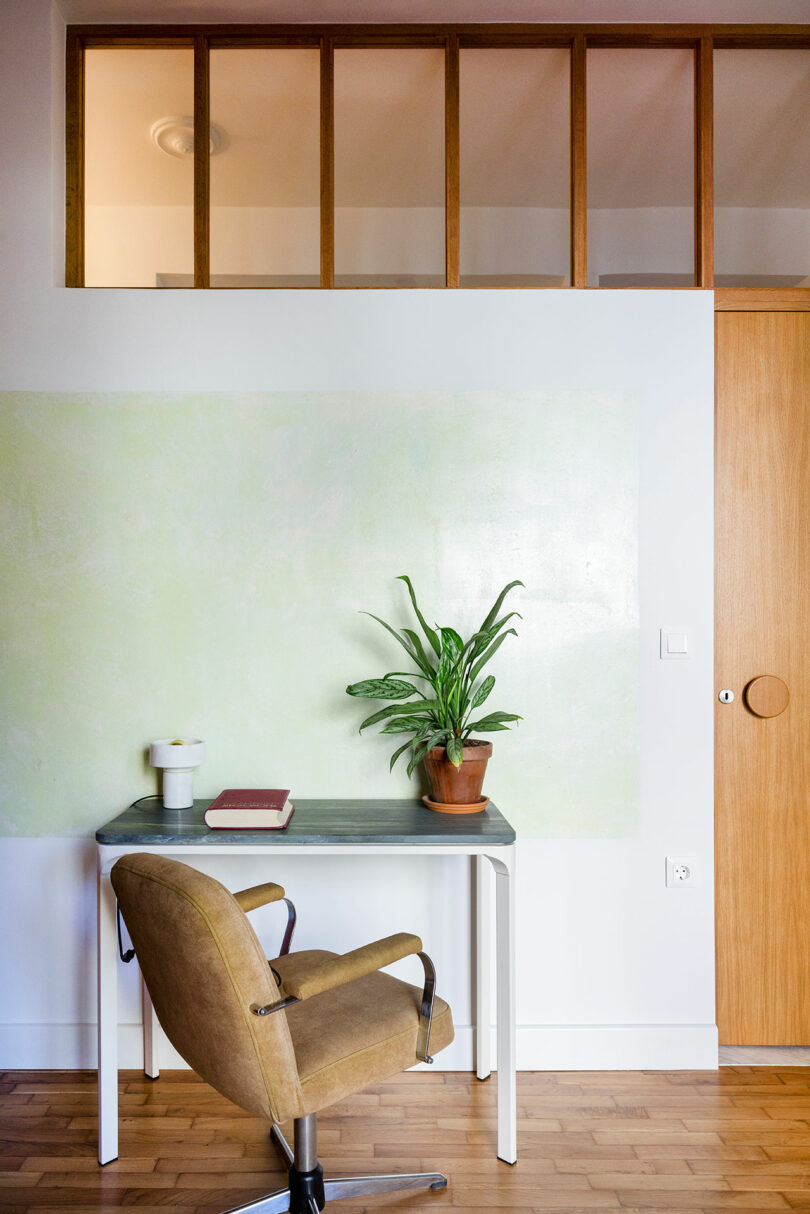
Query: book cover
250, 809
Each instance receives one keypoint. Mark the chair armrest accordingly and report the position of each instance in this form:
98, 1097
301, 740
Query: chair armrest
259, 895
336, 971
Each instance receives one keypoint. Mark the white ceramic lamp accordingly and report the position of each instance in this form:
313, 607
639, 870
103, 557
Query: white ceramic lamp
179, 757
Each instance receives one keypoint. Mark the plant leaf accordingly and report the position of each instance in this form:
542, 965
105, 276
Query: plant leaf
452, 643
399, 639
438, 738
492, 727
448, 671
382, 689
493, 615
485, 637
428, 631
419, 752
421, 656
483, 691
407, 674
494, 718
455, 750
397, 753
405, 725
482, 661
412, 708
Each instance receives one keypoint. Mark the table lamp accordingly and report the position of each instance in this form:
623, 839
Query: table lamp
178, 757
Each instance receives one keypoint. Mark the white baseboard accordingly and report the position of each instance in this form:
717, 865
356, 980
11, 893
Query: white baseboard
553, 1047
617, 1047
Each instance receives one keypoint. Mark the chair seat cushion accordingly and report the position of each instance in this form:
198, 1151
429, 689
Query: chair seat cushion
357, 1034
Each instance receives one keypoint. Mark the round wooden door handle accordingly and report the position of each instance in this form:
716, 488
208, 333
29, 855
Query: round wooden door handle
767, 696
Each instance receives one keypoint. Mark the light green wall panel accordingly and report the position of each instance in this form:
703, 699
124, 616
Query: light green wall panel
197, 564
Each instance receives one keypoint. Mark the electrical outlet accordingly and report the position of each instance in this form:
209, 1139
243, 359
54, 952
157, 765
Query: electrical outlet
681, 872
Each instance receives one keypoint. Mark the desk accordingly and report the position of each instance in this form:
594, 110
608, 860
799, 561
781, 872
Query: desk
323, 828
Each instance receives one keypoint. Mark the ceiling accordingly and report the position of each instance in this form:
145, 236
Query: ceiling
300, 11
389, 127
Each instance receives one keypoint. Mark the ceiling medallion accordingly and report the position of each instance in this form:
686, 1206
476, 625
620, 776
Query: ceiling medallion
175, 137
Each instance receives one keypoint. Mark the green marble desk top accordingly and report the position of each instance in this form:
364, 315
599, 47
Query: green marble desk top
327, 822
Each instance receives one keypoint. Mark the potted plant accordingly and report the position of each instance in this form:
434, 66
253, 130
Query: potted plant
436, 711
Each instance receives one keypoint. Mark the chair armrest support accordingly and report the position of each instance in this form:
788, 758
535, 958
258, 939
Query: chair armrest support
426, 1011
337, 971
269, 1008
260, 895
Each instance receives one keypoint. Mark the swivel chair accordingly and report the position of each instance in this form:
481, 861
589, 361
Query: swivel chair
282, 1039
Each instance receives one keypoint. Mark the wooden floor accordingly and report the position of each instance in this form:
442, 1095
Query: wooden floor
733, 1139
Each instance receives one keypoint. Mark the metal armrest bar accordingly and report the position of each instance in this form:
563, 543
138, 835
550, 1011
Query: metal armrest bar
426, 1011
269, 1008
127, 956
289, 929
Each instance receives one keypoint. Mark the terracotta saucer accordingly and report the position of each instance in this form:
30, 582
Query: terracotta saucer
475, 807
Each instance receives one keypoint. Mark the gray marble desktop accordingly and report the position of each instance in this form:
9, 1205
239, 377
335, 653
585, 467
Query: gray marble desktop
314, 821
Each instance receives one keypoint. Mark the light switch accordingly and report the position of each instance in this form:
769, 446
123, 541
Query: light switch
674, 643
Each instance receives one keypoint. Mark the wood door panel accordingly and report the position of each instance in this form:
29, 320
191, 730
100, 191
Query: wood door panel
763, 764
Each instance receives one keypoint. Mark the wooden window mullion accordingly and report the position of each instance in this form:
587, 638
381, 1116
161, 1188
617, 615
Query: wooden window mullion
579, 184
704, 163
327, 162
74, 162
202, 163
452, 199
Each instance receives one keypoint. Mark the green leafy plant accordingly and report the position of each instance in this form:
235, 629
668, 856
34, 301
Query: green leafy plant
438, 712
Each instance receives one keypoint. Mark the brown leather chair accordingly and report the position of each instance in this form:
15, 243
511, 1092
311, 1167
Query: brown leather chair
283, 1039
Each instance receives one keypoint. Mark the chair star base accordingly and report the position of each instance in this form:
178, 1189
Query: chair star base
308, 1192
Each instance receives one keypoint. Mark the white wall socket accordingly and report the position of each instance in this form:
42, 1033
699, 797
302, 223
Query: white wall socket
681, 871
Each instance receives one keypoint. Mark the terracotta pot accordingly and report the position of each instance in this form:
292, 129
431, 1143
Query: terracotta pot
458, 785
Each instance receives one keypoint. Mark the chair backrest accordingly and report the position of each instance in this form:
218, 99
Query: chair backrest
204, 968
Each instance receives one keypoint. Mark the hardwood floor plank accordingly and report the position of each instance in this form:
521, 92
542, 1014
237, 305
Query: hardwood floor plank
620, 1180
246, 1163
779, 1184
659, 1137
666, 1200
696, 1150
11, 1179
786, 1152
498, 1196
85, 1163
733, 1168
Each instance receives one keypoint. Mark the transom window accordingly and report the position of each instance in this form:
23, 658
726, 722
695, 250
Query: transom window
454, 156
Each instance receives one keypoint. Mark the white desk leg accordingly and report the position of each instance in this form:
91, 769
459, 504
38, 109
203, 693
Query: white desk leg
504, 865
107, 955
483, 978
151, 1035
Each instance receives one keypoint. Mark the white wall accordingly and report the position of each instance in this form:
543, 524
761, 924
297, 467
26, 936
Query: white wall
603, 946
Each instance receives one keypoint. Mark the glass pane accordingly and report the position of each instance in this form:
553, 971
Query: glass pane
515, 174
139, 167
641, 168
762, 168
389, 167
265, 167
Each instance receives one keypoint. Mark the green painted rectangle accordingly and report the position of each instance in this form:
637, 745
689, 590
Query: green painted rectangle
198, 565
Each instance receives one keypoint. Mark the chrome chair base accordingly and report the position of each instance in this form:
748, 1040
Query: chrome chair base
308, 1192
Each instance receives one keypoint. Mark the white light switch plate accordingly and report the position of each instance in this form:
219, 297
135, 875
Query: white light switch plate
674, 644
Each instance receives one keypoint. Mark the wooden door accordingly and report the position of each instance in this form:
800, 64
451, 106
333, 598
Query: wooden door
763, 629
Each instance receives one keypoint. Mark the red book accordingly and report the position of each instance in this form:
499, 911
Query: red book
250, 809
